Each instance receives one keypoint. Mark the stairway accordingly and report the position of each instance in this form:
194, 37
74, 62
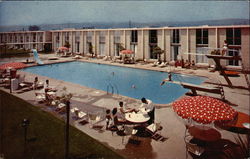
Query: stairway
246, 77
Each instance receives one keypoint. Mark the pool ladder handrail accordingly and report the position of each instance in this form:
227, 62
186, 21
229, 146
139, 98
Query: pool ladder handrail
113, 88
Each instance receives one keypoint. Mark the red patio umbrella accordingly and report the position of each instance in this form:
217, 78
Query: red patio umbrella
15, 65
62, 48
127, 52
204, 110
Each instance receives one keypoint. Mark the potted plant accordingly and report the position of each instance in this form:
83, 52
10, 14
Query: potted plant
158, 51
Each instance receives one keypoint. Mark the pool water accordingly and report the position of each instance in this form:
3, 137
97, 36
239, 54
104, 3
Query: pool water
135, 83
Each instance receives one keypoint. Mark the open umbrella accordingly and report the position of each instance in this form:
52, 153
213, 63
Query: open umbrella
127, 52
204, 110
62, 48
15, 65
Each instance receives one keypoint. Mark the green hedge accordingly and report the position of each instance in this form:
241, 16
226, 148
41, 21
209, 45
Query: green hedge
46, 137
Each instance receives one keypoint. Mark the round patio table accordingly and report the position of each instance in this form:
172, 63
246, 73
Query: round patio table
137, 118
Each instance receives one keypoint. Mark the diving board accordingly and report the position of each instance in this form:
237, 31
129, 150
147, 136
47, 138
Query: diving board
194, 88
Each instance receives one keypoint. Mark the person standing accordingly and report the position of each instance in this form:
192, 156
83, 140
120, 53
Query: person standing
35, 84
108, 118
224, 49
148, 106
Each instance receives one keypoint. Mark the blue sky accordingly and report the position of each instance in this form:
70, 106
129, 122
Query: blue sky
54, 12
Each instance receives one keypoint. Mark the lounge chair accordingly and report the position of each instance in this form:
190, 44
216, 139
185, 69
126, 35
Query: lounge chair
40, 97
192, 147
94, 119
78, 114
155, 130
163, 64
105, 58
77, 57
127, 131
155, 64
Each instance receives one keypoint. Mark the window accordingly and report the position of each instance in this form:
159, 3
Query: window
202, 36
102, 49
102, 37
176, 36
15, 39
77, 37
134, 36
201, 55
133, 47
175, 53
34, 37
67, 36
41, 38
10, 38
234, 52
27, 38
117, 37
89, 37
233, 36
152, 36
57, 37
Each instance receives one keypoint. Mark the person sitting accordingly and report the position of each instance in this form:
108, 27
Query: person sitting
176, 63
116, 121
108, 118
187, 64
47, 83
193, 65
148, 106
35, 83
123, 110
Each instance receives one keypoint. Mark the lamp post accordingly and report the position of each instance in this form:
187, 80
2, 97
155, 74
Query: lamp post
67, 130
25, 124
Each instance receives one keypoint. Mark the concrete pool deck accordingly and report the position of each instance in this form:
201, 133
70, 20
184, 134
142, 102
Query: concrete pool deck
173, 127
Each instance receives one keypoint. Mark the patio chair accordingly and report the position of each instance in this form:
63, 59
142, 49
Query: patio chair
94, 119
155, 130
128, 131
193, 148
40, 97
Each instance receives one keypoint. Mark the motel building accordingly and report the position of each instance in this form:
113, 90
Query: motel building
188, 43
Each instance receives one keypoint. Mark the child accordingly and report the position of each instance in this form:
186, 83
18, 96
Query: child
108, 118
224, 49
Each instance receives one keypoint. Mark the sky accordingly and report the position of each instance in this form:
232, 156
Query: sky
56, 12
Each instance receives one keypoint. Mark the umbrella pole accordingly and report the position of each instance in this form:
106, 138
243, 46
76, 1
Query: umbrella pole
10, 85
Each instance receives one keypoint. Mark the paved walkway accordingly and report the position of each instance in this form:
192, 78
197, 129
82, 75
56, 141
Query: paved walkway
173, 128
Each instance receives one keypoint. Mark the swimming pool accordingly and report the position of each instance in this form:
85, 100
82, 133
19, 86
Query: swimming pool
135, 83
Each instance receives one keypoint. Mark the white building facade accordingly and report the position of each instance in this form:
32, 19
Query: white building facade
188, 43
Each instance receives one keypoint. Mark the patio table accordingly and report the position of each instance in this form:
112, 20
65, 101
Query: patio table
137, 118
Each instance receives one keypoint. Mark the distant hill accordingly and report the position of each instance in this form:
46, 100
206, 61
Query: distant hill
105, 25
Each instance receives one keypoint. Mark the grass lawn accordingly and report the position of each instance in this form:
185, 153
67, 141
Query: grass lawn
45, 135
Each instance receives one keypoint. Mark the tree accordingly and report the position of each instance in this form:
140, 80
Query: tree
91, 49
120, 47
34, 28
158, 51
67, 45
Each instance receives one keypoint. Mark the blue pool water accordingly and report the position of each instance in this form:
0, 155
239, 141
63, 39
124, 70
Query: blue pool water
120, 80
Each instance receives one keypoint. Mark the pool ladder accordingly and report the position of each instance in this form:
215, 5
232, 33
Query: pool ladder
112, 88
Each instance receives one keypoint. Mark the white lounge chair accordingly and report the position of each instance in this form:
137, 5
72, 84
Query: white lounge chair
163, 64
156, 63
